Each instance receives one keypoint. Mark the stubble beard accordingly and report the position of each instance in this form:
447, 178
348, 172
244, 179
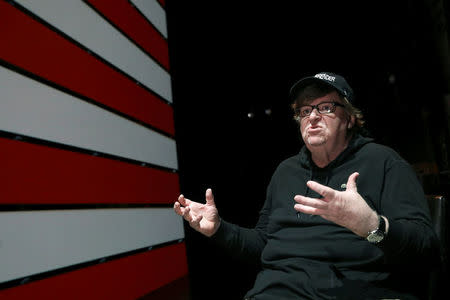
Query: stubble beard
315, 140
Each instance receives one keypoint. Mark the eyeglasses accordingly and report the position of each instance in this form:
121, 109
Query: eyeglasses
323, 109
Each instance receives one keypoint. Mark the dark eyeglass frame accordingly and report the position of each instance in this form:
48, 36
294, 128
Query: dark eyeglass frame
332, 109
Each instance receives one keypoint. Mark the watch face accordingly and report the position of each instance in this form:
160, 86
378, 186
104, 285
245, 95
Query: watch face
375, 237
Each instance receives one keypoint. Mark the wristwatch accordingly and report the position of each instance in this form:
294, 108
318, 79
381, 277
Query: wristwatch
377, 235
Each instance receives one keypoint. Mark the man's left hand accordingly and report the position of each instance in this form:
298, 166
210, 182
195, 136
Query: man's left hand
345, 208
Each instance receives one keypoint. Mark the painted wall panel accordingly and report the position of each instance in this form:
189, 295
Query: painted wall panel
162, 3
136, 26
154, 13
99, 36
36, 174
87, 148
58, 60
126, 278
36, 110
37, 241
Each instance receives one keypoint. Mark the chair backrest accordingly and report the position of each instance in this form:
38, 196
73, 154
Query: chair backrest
438, 207
439, 278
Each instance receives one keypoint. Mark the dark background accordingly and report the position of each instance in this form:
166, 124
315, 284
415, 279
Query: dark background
232, 64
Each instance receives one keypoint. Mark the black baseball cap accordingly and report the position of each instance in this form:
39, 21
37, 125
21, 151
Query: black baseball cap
334, 80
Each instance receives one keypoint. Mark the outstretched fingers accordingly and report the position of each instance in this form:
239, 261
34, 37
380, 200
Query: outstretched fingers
326, 192
351, 182
178, 209
209, 197
182, 208
183, 201
187, 215
180, 205
308, 209
310, 205
312, 202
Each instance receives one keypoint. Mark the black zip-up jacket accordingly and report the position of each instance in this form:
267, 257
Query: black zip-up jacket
307, 257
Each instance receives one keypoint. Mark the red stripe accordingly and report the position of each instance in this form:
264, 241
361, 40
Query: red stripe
162, 2
58, 60
127, 18
35, 174
126, 278
176, 290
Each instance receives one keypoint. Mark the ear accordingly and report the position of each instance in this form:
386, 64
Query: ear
351, 122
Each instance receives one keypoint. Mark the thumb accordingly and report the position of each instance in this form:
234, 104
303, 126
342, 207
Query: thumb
351, 182
209, 197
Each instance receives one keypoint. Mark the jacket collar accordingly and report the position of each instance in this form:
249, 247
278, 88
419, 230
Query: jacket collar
355, 143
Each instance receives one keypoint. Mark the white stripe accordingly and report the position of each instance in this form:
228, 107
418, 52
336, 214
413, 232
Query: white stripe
33, 109
84, 25
38, 241
154, 13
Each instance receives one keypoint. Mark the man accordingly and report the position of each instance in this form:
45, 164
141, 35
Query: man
346, 218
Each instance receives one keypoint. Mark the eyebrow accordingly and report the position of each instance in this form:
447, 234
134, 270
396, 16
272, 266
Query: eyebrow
329, 100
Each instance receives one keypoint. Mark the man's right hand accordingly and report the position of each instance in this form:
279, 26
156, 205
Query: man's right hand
202, 217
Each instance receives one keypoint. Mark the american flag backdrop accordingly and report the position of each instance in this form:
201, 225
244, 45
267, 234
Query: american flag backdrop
88, 156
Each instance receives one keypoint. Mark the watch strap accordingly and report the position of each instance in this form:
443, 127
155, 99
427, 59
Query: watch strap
381, 224
378, 235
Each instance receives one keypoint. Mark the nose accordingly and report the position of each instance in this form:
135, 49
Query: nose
314, 114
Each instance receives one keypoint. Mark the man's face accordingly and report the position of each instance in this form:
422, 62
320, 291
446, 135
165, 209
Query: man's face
325, 129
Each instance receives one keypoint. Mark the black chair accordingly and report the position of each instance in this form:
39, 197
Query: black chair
439, 281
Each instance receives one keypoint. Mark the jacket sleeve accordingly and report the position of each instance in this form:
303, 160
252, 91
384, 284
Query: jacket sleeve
245, 243
411, 237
